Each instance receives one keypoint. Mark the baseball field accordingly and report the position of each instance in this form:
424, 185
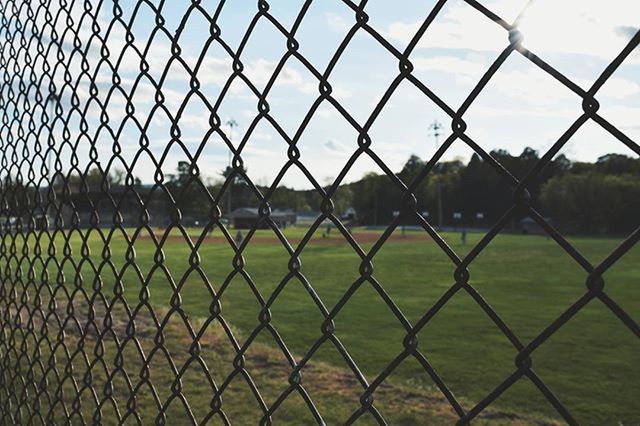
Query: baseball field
592, 363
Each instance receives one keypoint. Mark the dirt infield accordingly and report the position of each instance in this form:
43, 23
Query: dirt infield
336, 239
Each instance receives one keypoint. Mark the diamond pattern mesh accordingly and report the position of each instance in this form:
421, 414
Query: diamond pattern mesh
71, 343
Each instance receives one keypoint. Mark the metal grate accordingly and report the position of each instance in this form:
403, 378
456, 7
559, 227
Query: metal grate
57, 313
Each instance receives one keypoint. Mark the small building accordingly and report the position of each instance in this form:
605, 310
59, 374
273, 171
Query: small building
124, 202
307, 217
349, 214
530, 226
249, 217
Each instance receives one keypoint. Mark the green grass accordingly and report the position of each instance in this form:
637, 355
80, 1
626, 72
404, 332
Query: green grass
334, 390
591, 363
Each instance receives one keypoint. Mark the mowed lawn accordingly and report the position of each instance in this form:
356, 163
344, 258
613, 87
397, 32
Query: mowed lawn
592, 363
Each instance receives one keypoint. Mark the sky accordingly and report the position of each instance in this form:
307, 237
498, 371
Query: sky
521, 106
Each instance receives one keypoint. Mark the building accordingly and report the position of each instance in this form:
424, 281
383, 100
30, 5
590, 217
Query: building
307, 217
103, 208
530, 226
249, 217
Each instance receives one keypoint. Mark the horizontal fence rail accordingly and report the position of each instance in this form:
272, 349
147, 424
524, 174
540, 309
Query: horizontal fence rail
77, 347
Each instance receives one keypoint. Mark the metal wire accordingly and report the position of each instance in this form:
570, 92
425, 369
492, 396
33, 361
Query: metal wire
44, 49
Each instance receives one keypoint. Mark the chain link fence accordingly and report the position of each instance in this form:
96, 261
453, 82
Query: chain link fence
75, 347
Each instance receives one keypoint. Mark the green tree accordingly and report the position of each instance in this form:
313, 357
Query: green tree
190, 193
593, 202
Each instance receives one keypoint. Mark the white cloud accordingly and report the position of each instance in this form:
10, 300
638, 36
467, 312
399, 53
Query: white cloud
335, 147
214, 70
338, 23
341, 92
194, 120
325, 113
448, 64
259, 72
532, 86
619, 88
457, 27
537, 89
467, 71
588, 27
488, 111
622, 116
252, 151
262, 136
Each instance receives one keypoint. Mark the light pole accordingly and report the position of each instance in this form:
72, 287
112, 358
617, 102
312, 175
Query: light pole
54, 100
436, 127
231, 123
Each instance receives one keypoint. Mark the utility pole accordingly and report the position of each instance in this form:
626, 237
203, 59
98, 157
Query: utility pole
436, 127
375, 209
52, 100
231, 123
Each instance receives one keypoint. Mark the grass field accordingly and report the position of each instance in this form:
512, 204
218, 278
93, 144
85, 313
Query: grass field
591, 364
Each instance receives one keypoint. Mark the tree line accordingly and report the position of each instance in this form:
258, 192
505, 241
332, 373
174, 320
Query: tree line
578, 197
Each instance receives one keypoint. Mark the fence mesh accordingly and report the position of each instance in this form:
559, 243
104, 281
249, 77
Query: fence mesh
75, 348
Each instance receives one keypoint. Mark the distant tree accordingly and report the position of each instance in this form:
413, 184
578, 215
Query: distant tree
616, 164
118, 176
411, 169
114, 177
571, 193
593, 202
285, 198
17, 198
342, 199
189, 192
93, 180
238, 193
367, 198
482, 190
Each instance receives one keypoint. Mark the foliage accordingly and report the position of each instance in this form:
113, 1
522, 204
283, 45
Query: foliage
578, 197
594, 202
16, 196
602, 194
